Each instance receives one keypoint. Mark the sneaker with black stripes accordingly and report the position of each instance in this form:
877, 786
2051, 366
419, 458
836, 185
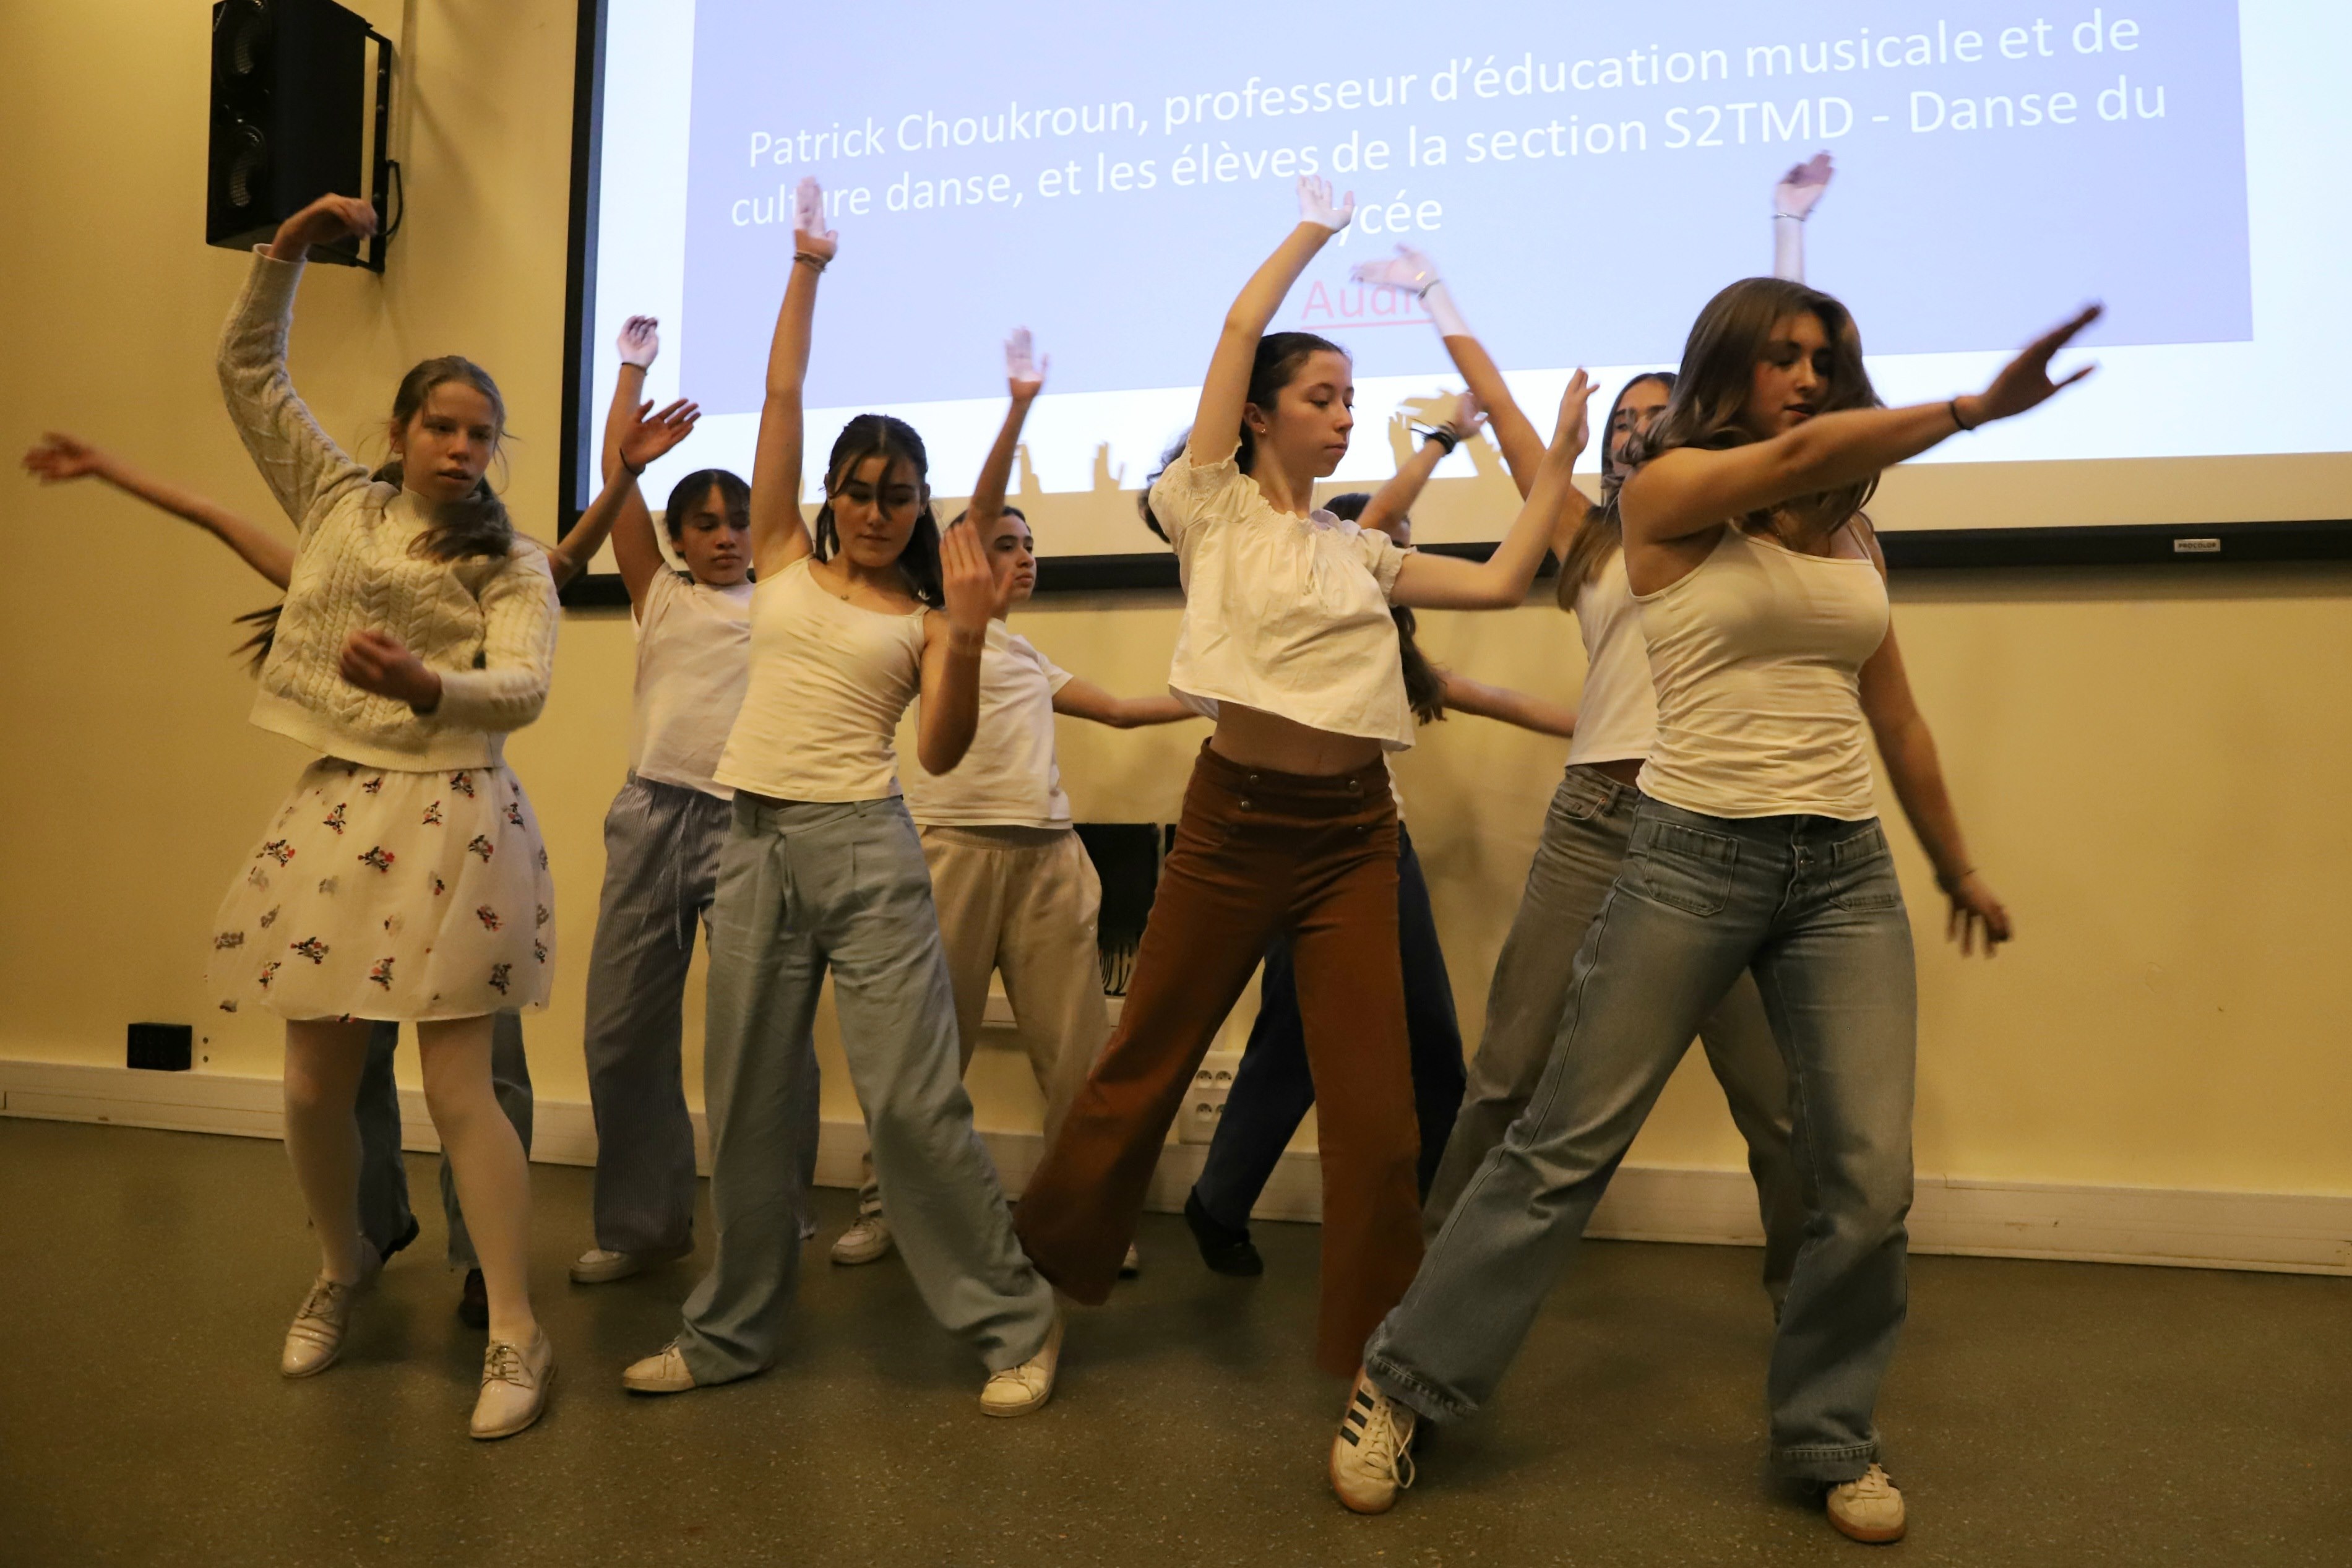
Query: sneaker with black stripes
1372, 1458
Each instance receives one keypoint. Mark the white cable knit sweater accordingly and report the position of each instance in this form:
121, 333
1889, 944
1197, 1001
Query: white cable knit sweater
485, 626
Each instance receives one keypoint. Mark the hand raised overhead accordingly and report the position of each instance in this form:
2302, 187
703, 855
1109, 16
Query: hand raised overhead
809, 236
640, 342
1024, 370
1408, 268
645, 439
1803, 185
1315, 204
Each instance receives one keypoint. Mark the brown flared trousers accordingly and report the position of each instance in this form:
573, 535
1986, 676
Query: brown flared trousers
1257, 852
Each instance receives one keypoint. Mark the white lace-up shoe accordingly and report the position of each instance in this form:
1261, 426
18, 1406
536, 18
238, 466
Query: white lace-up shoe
865, 1241
1372, 1458
598, 1267
315, 1338
663, 1371
1869, 1509
514, 1386
1018, 1390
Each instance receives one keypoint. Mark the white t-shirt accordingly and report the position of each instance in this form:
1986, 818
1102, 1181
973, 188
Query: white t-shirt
1617, 712
694, 656
1289, 614
1009, 778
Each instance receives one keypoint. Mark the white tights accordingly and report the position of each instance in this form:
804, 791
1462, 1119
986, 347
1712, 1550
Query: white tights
323, 1061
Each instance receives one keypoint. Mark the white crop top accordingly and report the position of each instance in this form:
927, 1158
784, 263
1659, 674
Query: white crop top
1289, 614
1617, 712
1757, 655
1010, 777
828, 683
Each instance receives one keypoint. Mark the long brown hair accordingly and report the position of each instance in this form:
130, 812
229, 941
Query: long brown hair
478, 525
1599, 534
1279, 358
895, 441
1718, 369
1425, 683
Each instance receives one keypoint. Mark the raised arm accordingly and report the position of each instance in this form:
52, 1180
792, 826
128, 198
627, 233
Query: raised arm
1393, 499
1441, 582
1410, 269
1793, 200
1025, 378
639, 342
59, 458
952, 642
1225, 393
1084, 699
780, 535
1463, 695
301, 466
619, 510
1690, 489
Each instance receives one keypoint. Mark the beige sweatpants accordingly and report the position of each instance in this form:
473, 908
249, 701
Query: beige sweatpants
1022, 902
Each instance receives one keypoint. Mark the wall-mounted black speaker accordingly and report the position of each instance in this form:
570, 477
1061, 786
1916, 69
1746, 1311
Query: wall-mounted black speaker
292, 120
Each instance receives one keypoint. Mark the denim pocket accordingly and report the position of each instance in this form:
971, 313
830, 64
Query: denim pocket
1686, 868
1862, 873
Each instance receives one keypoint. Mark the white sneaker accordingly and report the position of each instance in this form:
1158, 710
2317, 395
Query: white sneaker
598, 1267
1131, 1266
663, 1371
865, 1241
1372, 1458
514, 1386
1869, 1509
1018, 1390
316, 1337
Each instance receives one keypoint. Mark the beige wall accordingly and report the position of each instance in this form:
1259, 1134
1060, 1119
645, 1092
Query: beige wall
2151, 766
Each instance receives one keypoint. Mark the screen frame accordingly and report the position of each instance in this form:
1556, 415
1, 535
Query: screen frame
1951, 549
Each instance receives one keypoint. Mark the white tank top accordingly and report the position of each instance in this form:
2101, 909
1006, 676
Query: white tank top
829, 681
1756, 654
1617, 712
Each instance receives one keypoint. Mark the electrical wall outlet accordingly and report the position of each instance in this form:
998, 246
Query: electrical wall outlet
1204, 1101
159, 1047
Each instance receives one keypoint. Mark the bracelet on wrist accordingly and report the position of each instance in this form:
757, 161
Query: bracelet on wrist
1792, 217
810, 259
633, 470
1955, 406
1442, 436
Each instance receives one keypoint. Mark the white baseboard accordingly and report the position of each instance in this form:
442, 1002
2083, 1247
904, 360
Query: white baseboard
2288, 1233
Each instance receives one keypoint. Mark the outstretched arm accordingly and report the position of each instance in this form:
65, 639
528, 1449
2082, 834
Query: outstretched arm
1690, 489
780, 536
1025, 377
1509, 706
1084, 699
1393, 499
619, 510
1440, 581
1793, 200
639, 342
1217, 426
59, 458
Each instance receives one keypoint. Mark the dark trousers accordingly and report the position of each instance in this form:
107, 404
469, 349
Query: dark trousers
384, 1216
1257, 852
1272, 1089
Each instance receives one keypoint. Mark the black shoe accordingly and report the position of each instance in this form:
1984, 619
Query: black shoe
405, 1237
474, 1304
1223, 1249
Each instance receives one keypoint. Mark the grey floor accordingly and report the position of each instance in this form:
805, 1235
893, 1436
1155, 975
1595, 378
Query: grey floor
2039, 1414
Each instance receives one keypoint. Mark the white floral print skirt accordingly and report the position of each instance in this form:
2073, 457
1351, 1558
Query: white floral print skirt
382, 893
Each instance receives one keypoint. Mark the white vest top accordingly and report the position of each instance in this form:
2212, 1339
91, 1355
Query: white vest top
828, 683
1756, 654
1617, 712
